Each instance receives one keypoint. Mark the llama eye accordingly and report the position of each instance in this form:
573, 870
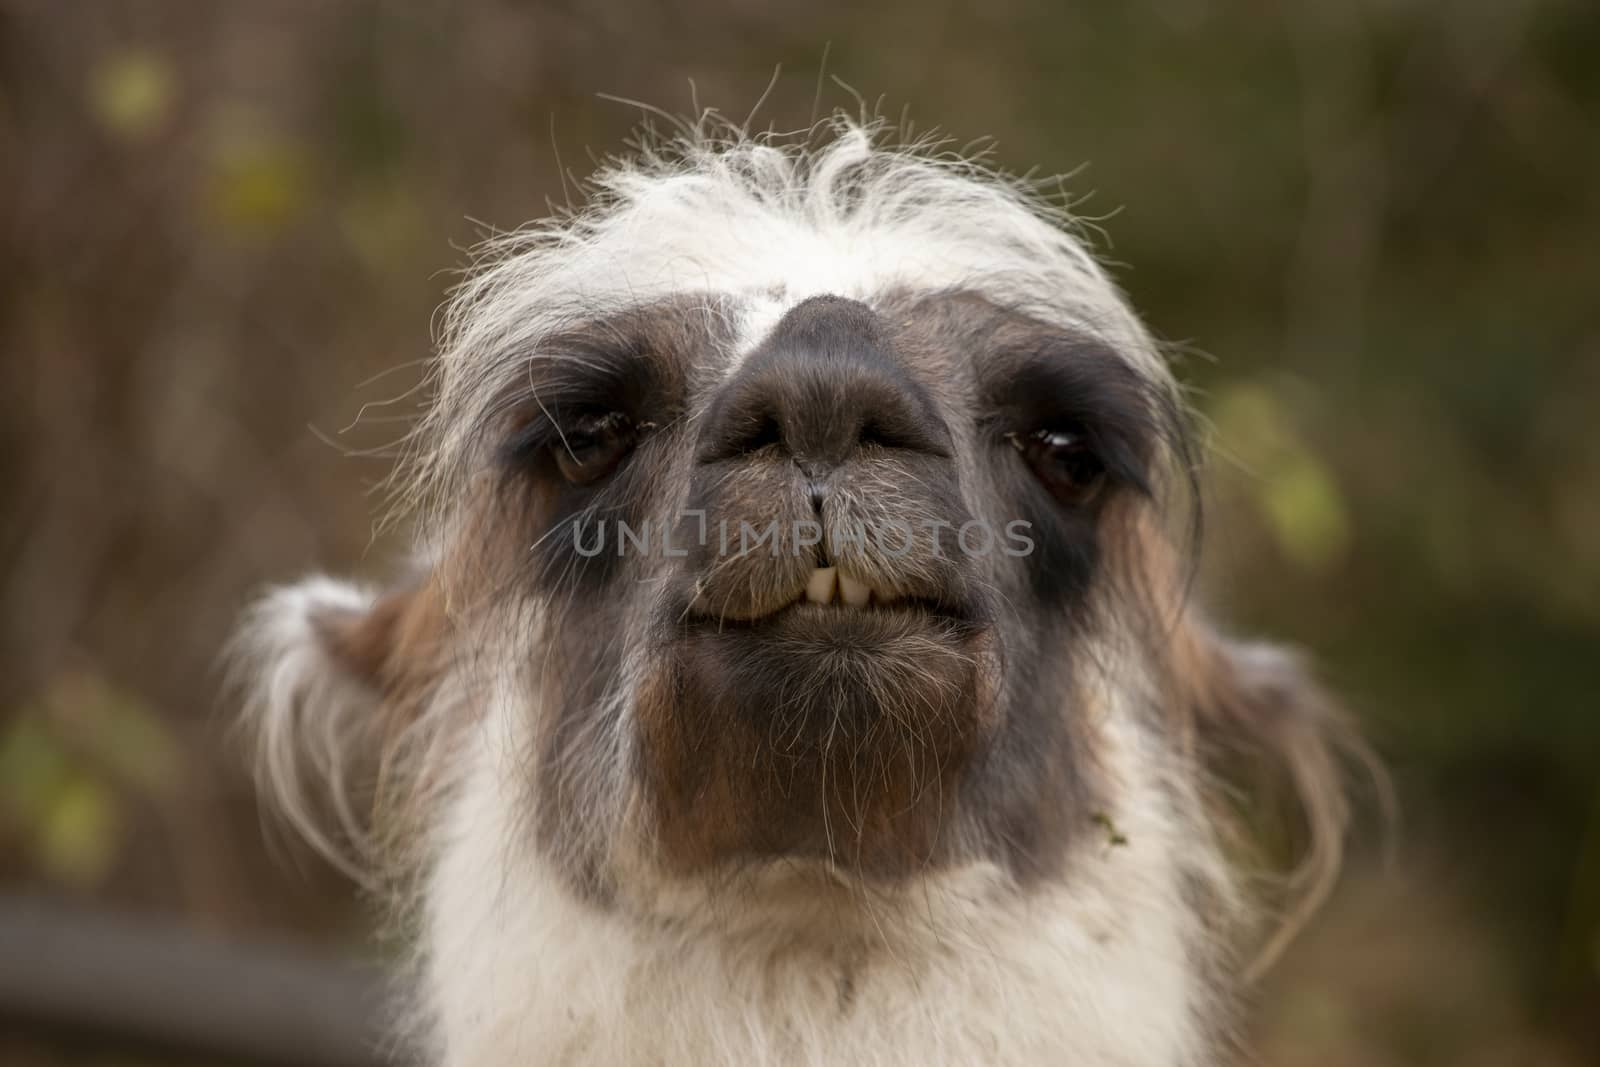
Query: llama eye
1064, 462
594, 446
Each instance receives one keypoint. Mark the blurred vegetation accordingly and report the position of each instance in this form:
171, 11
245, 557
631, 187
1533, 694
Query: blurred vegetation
1369, 230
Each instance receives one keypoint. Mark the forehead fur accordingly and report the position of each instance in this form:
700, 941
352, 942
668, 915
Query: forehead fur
757, 224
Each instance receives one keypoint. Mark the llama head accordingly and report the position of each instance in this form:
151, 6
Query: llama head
804, 509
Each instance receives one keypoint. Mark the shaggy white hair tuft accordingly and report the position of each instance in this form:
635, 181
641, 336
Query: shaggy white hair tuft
308, 714
844, 210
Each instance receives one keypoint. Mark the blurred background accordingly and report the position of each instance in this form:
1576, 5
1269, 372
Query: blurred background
1368, 229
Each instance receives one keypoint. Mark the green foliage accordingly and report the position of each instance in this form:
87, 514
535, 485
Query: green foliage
1293, 490
67, 768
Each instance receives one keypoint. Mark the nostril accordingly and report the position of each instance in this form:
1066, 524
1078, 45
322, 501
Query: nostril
874, 432
733, 434
890, 429
767, 431
817, 490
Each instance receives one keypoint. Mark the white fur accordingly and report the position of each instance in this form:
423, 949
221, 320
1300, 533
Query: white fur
307, 713
960, 968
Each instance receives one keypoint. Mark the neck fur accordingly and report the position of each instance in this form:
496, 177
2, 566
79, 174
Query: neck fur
1108, 966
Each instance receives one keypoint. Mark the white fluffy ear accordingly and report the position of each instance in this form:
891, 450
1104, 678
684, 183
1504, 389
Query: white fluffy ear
311, 710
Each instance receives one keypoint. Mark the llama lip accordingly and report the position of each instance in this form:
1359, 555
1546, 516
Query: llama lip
832, 597
806, 618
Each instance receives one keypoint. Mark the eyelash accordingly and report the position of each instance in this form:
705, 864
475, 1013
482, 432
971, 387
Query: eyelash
560, 445
596, 445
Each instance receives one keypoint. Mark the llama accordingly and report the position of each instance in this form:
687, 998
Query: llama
796, 664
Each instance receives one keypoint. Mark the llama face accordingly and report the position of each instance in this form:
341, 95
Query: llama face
792, 511
830, 590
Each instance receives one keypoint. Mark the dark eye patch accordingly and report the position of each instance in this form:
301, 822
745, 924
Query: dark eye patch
582, 434
1063, 386
622, 371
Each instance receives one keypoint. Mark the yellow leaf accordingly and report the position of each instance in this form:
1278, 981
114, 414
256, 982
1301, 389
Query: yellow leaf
132, 93
80, 836
33, 766
1307, 513
258, 183
1294, 490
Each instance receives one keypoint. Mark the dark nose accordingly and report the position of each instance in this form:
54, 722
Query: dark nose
823, 384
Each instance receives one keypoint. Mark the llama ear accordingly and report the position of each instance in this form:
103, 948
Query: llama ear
382, 645
1258, 706
327, 669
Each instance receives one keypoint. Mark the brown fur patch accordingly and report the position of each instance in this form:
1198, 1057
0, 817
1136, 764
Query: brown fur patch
397, 646
867, 784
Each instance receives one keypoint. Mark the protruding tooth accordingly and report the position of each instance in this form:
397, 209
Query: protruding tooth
854, 593
819, 588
